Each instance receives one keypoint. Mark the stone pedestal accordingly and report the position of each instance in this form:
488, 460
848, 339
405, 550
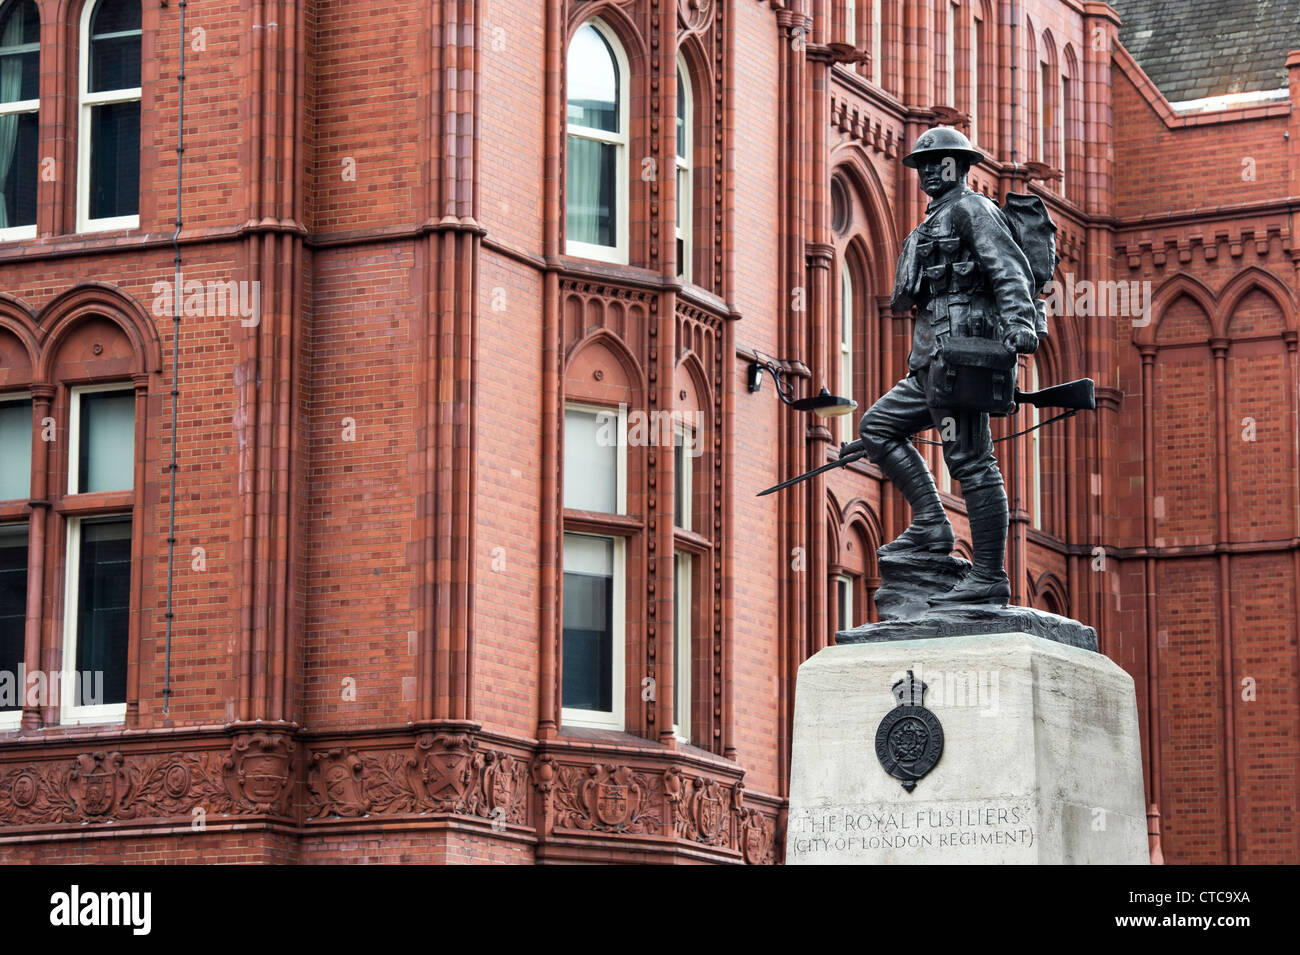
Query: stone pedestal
1041, 760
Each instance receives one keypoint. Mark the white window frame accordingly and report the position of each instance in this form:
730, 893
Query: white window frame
21, 396
685, 481
976, 27
87, 101
684, 227
607, 719
1060, 127
14, 233
13, 719
74, 433
846, 346
844, 584
618, 253
620, 477
683, 569
877, 32
851, 22
1040, 99
950, 53
69, 713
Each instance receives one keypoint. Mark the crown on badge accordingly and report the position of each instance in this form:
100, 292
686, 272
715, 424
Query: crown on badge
909, 691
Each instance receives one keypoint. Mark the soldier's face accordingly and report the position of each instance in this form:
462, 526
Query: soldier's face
940, 173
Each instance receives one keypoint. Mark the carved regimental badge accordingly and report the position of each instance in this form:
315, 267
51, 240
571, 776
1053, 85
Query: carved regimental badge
909, 740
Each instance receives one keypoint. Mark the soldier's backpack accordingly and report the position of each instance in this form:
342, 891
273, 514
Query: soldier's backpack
1035, 233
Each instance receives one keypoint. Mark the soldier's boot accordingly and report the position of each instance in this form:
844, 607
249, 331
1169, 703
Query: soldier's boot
987, 581
929, 530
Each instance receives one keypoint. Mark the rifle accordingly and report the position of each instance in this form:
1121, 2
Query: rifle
1074, 396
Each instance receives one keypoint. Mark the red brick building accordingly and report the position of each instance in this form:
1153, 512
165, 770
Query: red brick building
467, 563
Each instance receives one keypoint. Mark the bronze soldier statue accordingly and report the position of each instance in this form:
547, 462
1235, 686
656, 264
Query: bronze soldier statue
964, 273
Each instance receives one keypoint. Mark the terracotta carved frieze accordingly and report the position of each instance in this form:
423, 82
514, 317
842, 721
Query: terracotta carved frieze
257, 772
608, 798
440, 773
433, 773
109, 786
701, 808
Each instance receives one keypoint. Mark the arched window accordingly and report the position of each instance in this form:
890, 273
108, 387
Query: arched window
877, 42
597, 117
847, 303
685, 179
1035, 455
20, 55
976, 65
950, 53
109, 165
1071, 128
1051, 129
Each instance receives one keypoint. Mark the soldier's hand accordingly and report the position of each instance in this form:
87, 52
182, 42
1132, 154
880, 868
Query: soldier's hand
1021, 340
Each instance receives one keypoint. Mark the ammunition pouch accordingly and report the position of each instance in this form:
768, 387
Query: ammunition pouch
972, 374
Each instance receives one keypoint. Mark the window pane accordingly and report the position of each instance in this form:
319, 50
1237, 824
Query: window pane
846, 306
13, 609
588, 623
103, 610
681, 114
592, 82
682, 487
20, 37
18, 167
591, 196
682, 636
106, 452
591, 460
15, 450
844, 595
115, 46
115, 160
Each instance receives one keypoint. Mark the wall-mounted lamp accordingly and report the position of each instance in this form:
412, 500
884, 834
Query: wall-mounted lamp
823, 404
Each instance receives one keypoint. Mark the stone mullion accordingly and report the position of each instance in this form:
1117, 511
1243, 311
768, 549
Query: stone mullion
918, 65
550, 523
42, 398
1101, 347
661, 568
141, 546
723, 636
818, 258
1223, 521
792, 519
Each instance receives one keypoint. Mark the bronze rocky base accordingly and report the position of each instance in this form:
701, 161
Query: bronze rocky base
909, 579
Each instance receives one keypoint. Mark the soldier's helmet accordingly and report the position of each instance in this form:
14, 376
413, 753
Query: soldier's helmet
942, 141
